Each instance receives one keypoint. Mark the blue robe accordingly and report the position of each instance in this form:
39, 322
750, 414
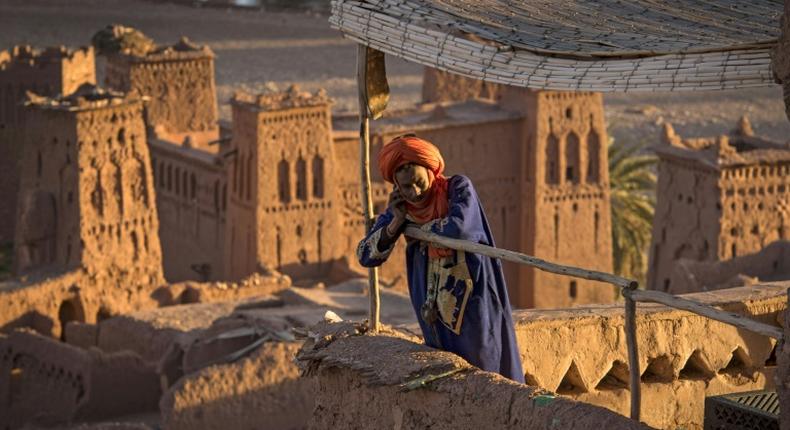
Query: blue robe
475, 318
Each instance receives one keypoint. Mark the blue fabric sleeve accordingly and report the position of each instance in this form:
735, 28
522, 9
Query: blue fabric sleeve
368, 252
463, 220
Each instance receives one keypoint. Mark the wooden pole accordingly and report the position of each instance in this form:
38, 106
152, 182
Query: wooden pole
518, 257
634, 372
707, 311
364, 163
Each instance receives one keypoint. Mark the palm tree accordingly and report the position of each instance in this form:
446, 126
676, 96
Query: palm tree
633, 186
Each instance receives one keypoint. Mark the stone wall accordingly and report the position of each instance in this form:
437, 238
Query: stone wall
581, 353
358, 386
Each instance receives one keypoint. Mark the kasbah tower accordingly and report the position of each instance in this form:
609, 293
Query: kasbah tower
280, 208
566, 215
48, 72
87, 221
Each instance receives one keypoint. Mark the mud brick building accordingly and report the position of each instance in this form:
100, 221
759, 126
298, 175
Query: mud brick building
87, 243
179, 80
281, 211
283, 191
718, 198
50, 72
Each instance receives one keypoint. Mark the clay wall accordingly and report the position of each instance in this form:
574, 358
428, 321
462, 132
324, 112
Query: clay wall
581, 353
262, 391
754, 204
732, 188
281, 189
180, 82
87, 243
191, 199
771, 263
51, 382
441, 86
686, 222
86, 196
566, 195
356, 389
48, 220
48, 73
241, 214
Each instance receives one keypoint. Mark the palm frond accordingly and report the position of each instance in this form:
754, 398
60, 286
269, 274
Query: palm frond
633, 185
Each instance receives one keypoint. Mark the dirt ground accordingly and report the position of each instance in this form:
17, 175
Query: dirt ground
259, 49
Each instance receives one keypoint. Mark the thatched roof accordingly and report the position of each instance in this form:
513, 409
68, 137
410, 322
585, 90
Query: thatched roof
606, 45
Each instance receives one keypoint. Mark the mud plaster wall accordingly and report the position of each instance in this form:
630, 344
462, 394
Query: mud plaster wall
441, 86
771, 263
47, 382
48, 73
88, 239
711, 214
581, 353
191, 200
281, 207
360, 392
755, 210
567, 190
182, 90
262, 391
119, 224
686, 222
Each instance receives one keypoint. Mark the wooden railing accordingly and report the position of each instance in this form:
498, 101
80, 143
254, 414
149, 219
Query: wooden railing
628, 288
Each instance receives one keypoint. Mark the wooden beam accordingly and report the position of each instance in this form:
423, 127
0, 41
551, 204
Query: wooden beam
518, 257
707, 311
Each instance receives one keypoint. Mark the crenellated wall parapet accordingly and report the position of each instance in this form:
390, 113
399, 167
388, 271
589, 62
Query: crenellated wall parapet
581, 353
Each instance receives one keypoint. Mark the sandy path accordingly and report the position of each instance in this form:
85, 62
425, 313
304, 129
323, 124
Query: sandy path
257, 50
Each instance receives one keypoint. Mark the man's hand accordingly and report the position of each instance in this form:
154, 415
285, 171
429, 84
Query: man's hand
397, 206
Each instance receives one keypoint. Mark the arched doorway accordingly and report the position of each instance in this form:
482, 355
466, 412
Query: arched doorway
70, 310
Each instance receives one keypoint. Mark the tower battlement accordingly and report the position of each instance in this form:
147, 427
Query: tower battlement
179, 80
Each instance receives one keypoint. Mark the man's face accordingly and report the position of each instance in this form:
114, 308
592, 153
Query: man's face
414, 181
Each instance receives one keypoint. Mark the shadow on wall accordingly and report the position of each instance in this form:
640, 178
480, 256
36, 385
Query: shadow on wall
6, 260
190, 405
34, 320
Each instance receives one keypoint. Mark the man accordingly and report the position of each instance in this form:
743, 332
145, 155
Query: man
460, 298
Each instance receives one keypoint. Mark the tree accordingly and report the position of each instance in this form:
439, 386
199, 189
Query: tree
633, 185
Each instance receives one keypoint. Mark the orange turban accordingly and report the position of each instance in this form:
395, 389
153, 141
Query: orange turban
411, 149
